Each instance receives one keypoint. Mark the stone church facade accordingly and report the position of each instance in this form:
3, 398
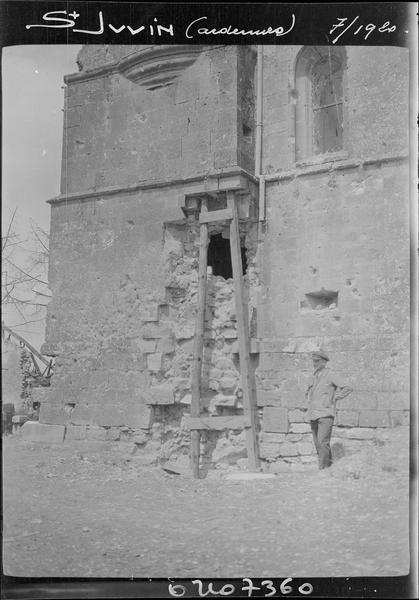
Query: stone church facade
313, 141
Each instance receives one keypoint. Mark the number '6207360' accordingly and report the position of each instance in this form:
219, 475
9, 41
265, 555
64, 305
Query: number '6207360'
267, 587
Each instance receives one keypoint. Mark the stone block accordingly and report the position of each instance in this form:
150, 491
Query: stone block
153, 331
53, 414
278, 467
309, 458
229, 334
374, 418
150, 314
294, 437
80, 415
166, 345
222, 400
393, 400
399, 417
187, 346
214, 385
267, 398
304, 448
358, 400
33, 431
43, 395
113, 434
181, 384
300, 428
289, 449
243, 464
269, 361
138, 416
293, 394
143, 459
76, 432
297, 416
360, 433
275, 420
19, 419
96, 434
272, 438
224, 363
228, 383
186, 399
106, 415
340, 431
140, 438
269, 451
146, 346
347, 417
126, 413
154, 361
161, 394
226, 452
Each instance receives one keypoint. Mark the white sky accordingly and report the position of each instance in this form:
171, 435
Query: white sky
33, 99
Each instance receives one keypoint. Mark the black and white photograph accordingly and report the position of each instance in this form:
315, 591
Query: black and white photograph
209, 288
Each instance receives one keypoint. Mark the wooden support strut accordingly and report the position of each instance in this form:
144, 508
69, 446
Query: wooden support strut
199, 340
249, 403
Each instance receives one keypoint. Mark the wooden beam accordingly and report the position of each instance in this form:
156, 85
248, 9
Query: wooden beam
26, 344
249, 402
215, 215
219, 423
199, 340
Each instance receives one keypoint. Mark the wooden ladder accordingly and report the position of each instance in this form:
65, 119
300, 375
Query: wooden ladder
248, 421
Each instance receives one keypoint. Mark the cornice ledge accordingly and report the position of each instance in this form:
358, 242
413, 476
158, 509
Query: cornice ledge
221, 180
327, 167
152, 67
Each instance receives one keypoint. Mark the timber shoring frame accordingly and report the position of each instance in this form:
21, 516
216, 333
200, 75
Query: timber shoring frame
249, 420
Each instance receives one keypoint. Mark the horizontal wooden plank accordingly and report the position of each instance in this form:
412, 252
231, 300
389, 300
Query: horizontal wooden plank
254, 347
218, 423
216, 215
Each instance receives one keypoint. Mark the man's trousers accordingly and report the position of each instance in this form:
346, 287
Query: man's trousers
322, 431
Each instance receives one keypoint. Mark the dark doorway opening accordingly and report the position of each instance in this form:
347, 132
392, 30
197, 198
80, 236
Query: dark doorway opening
219, 257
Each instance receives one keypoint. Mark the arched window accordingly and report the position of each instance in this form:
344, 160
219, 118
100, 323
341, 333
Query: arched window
319, 82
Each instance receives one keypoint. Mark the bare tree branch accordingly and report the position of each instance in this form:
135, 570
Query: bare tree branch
32, 277
46, 248
26, 260
4, 240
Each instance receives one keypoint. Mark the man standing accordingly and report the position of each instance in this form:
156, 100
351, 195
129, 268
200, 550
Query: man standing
324, 390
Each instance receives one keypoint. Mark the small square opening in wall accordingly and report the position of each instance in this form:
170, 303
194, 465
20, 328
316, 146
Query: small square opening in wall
320, 300
219, 257
247, 133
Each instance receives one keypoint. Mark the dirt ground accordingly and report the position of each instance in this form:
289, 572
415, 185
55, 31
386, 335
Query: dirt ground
93, 511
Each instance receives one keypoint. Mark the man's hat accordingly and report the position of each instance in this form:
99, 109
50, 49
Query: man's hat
321, 354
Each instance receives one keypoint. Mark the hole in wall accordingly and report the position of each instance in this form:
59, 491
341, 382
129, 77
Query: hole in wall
247, 133
219, 257
320, 300
247, 130
69, 407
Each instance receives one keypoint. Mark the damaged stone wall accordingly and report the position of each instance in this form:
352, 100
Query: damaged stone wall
329, 267
118, 132
221, 392
335, 257
130, 380
11, 373
122, 317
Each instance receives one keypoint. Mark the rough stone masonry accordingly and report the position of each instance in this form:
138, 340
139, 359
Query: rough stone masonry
149, 132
